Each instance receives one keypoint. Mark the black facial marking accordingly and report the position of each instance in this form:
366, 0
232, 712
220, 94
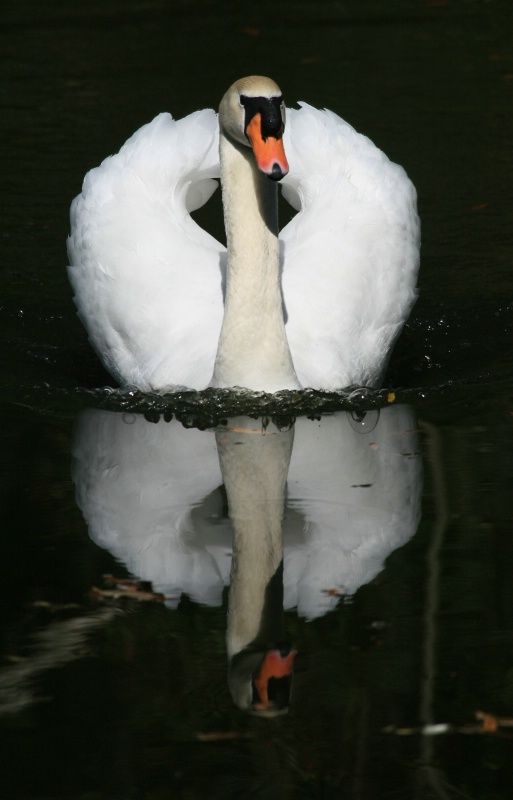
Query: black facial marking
269, 109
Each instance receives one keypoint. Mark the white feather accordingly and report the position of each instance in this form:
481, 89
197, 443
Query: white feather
350, 256
147, 278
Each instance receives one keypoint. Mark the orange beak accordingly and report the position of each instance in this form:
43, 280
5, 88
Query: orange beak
269, 153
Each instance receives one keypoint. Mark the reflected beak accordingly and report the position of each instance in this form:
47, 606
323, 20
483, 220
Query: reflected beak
269, 153
274, 666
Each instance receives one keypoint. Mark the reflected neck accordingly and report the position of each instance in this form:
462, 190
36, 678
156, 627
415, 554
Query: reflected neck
254, 468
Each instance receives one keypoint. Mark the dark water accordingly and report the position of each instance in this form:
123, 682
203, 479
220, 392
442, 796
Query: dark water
124, 690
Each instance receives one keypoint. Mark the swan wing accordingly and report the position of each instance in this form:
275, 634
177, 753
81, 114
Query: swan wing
350, 256
147, 279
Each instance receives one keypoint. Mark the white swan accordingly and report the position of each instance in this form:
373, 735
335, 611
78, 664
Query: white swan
148, 281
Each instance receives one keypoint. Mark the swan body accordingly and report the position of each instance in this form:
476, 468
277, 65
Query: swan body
318, 304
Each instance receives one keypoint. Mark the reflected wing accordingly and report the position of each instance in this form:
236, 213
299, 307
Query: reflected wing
138, 485
359, 492
147, 278
351, 254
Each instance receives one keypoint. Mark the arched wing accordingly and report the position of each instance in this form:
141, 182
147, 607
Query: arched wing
147, 279
351, 254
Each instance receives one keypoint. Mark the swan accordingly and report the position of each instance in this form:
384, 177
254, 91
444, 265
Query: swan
319, 304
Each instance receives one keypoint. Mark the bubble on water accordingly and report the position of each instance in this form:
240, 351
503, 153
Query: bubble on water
363, 421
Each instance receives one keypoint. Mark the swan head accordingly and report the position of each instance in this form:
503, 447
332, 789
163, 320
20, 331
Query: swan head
252, 113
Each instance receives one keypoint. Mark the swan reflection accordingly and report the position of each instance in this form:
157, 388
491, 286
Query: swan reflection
287, 518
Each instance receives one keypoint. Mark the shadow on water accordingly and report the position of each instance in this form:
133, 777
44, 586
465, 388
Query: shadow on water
124, 641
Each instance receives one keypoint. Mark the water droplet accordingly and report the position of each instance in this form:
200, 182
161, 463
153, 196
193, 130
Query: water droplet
360, 395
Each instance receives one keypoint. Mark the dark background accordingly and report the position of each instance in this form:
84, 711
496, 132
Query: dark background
431, 83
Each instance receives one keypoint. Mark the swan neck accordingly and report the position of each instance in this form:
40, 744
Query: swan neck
253, 351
